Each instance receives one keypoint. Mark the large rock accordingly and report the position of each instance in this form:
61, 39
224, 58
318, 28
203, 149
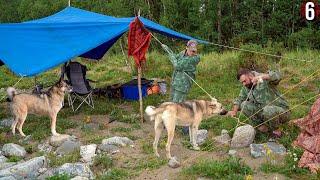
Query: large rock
7, 164
25, 170
202, 135
75, 169
87, 152
58, 140
46, 174
243, 136
68, 147
260, 150
3, 159
224, 138
8, 178
118, 141
6, 122
109, 148
13, 150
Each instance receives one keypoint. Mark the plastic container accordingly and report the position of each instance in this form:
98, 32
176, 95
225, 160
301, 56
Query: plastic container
130, 89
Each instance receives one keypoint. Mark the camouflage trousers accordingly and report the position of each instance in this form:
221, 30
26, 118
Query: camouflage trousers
178, 96
273, 114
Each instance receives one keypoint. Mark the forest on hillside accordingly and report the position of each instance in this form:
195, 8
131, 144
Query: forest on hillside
228, 22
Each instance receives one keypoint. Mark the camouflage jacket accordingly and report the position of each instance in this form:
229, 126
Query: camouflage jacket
181, 63
264, 92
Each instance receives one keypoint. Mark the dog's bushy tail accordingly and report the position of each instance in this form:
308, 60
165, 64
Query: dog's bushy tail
151, 111
11, 92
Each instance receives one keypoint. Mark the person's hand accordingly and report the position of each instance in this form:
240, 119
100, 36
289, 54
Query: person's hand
257, 79
232, 113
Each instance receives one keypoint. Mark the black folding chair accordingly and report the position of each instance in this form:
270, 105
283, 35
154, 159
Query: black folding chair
81, 89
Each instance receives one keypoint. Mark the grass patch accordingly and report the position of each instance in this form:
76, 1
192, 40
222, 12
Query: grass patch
121, 129
289, 168
6, 137
150, 163
231, 168
116, 173
31, 148
103, 161
93, 138
147, 147
59, 177
55, 161
14, 159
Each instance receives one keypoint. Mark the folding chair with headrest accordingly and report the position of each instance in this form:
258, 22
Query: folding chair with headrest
81, 89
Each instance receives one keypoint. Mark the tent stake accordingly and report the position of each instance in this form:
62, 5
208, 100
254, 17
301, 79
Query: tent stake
140, 94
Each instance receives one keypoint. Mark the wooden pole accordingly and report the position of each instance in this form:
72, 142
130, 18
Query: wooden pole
139, 87
140, 93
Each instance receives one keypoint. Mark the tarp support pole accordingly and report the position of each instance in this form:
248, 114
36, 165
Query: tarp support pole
139, 87
69, 3
140, 93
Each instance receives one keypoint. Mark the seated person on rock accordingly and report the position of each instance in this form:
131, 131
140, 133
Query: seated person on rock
260, 101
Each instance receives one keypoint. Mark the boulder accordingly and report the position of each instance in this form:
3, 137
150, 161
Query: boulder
25, 170
260, 150
87, 152
202, 135
243, 136
75, 169
13, 150
118, 141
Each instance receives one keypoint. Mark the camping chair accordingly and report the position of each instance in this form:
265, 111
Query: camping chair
81, 89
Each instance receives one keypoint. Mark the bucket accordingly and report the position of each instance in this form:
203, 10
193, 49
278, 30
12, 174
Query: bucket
130, 90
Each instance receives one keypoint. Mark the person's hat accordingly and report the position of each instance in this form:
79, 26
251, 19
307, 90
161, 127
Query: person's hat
192, 45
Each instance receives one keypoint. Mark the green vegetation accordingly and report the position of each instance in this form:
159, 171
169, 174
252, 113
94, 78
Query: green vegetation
103, 161
55, 161
14, 159
59, 177
115, 173
231, 168
290, 167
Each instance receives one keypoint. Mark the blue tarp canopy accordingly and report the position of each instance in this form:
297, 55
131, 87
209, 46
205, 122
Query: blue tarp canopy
32, 47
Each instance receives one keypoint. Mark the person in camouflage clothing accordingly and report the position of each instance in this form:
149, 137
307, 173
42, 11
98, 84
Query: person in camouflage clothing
263, 97
184, 62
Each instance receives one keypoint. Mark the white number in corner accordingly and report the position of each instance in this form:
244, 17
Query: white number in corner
309, 12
